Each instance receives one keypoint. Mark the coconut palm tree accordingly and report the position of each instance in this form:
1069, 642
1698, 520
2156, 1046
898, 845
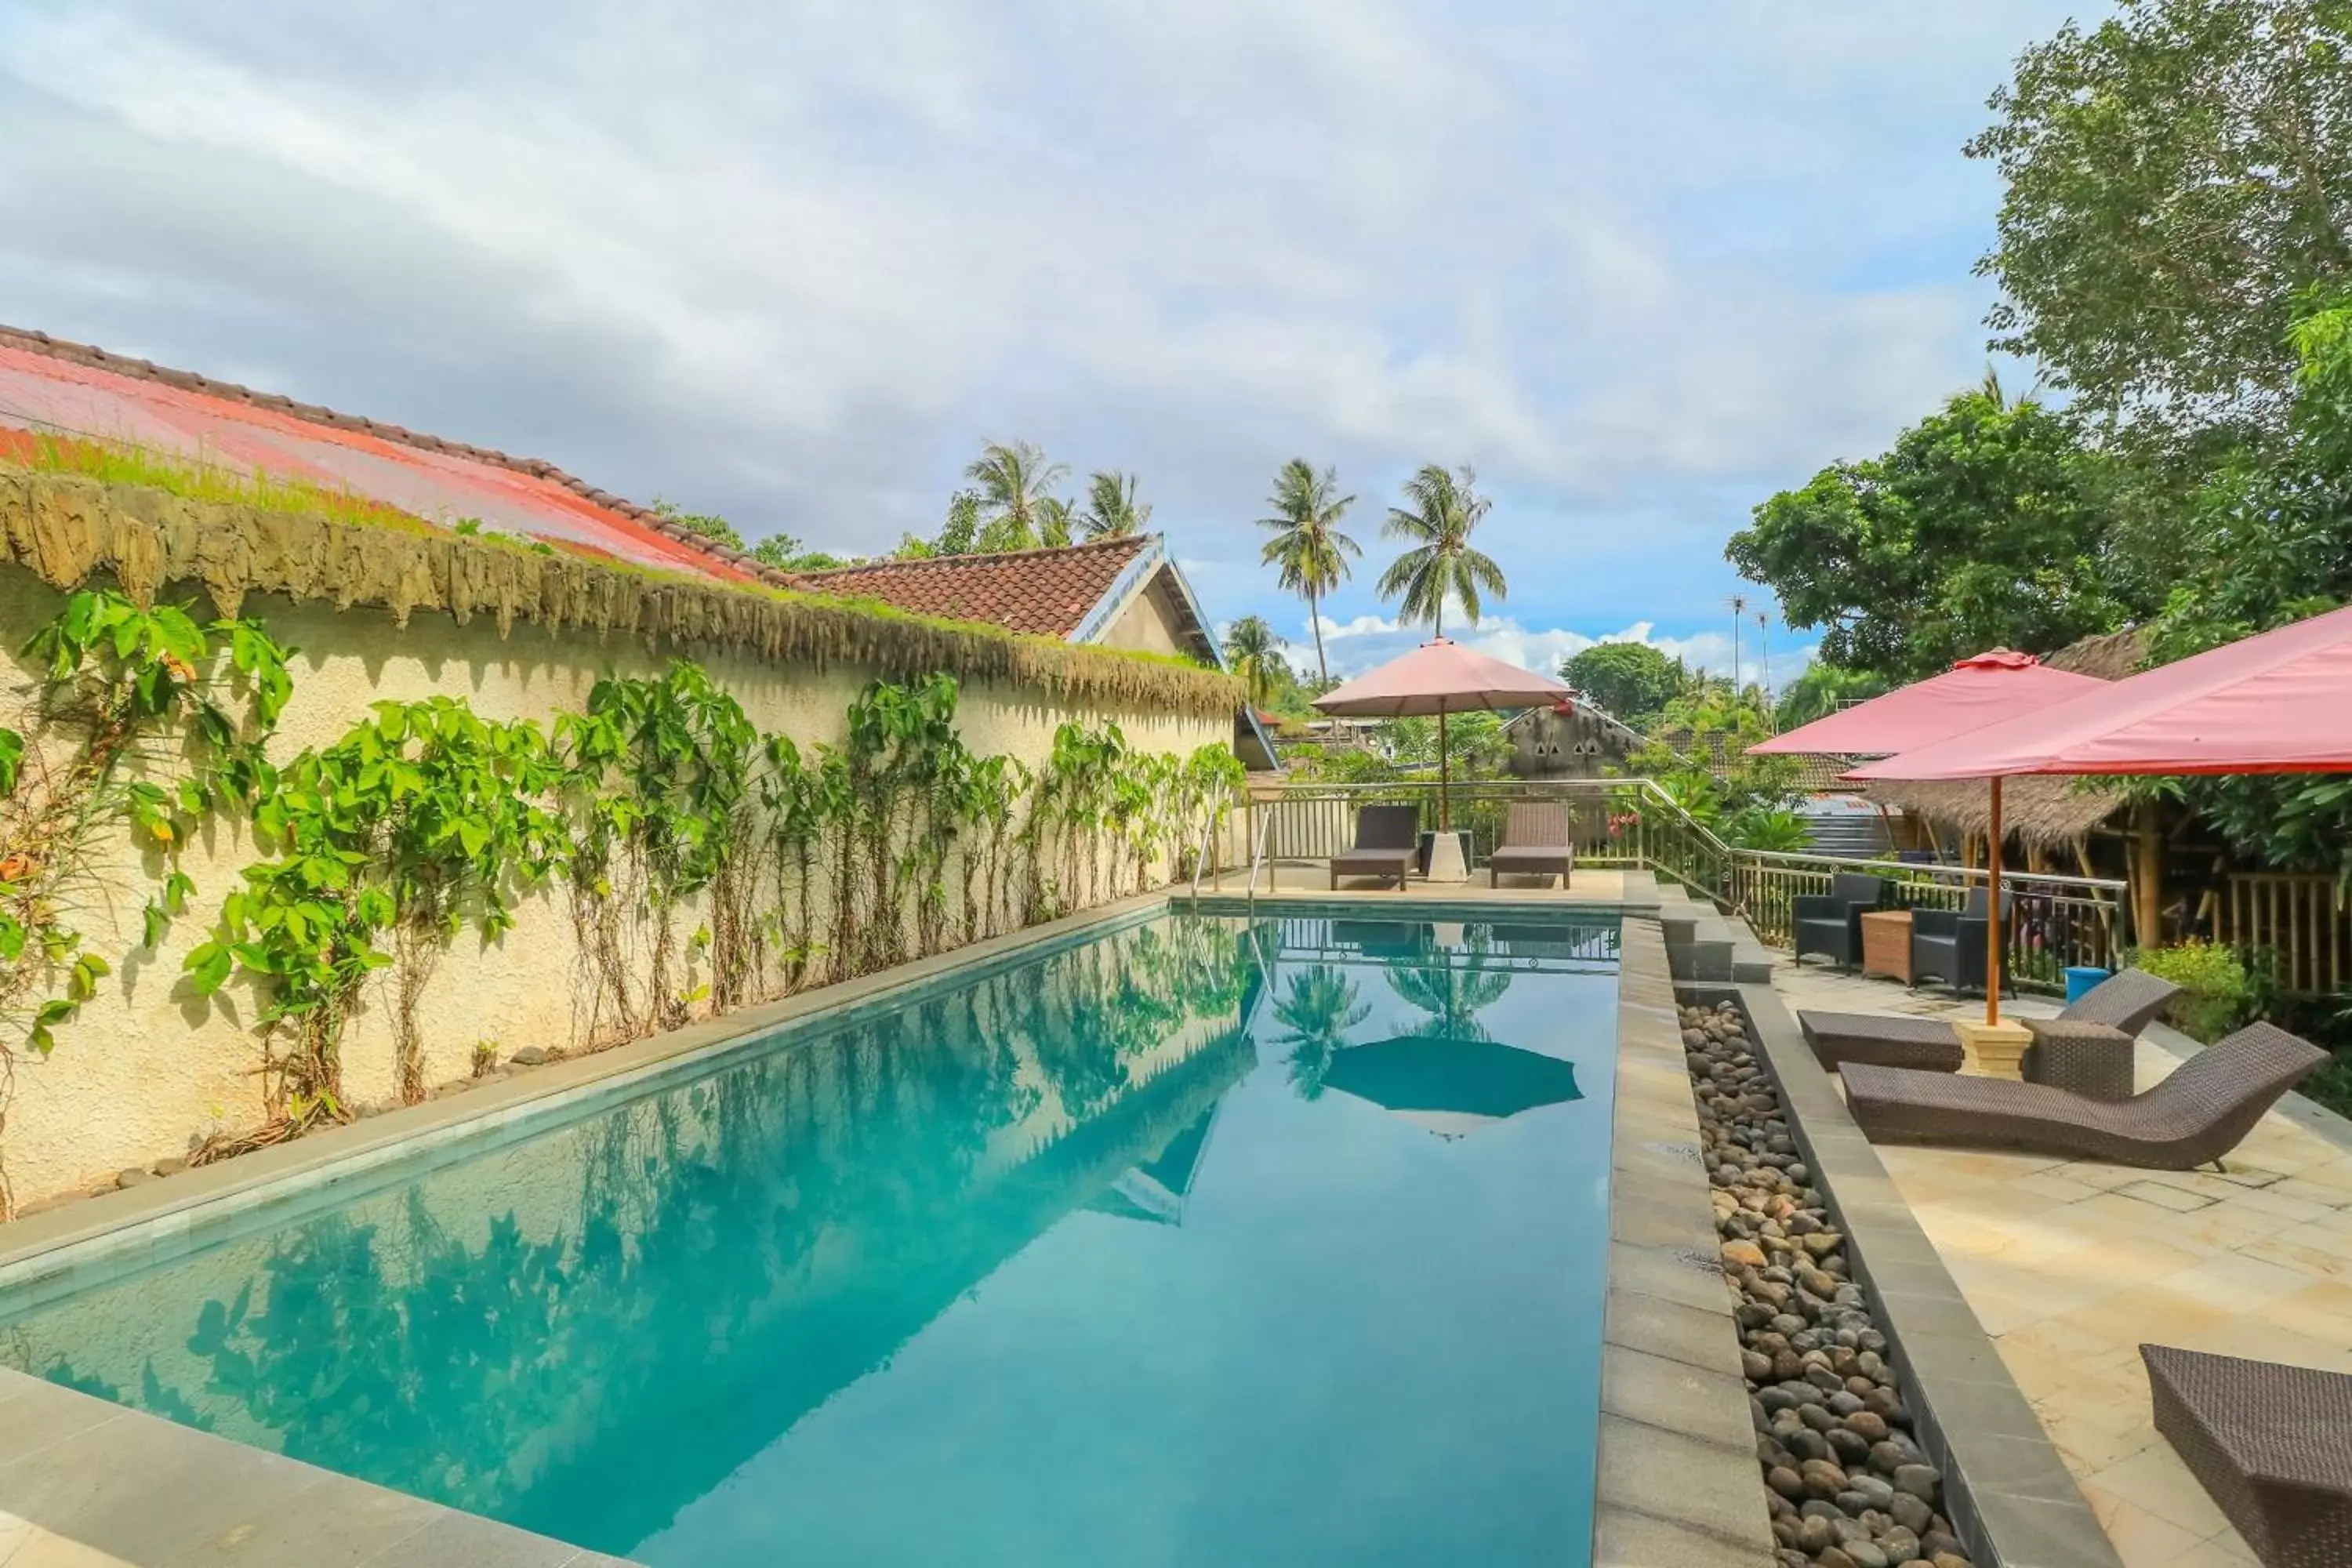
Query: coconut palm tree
1308, 544
1057, 521
1316, 1013
1440, 566
1112, 511
1014, 479
1452, 994
1254, 651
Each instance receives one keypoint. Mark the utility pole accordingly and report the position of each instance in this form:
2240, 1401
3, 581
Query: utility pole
1764, 658
1739, 608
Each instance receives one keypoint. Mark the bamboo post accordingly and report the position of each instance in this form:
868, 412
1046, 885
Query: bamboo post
2148, 876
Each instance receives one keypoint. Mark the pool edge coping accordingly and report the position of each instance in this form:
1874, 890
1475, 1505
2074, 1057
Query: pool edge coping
2021, 1507
41, 1244
1675, 1483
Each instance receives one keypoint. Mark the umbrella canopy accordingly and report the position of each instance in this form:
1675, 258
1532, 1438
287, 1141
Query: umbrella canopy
2277, 703
1441, 677
1450, 1086
1975, 692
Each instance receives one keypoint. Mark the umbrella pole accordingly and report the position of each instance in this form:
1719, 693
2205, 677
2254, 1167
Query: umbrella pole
1444, 777
1992, 910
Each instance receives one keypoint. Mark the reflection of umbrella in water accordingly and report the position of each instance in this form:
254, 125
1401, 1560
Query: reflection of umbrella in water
1452, 1086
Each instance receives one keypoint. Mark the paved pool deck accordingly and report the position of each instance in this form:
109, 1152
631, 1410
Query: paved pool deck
2070, 1265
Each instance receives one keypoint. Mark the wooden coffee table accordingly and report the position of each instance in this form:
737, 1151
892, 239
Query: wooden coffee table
1886, 944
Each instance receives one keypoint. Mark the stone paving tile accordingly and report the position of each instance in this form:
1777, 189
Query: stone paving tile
2070, 1265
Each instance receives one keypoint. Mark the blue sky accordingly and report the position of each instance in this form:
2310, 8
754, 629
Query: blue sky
1640, 266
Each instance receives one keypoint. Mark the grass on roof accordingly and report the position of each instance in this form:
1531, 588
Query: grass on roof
127, 463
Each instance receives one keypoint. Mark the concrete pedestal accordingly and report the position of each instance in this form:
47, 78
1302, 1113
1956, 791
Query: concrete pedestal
1994, 1050
1448, 860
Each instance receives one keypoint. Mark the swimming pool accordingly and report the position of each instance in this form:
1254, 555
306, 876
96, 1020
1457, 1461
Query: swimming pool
1197, 1240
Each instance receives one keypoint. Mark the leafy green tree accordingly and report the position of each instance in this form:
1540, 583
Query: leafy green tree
1445, 509
1014, 480
1057, 522
2176, 181
1112, 511
1308, 545
786, 553
1981, 528
962, 531
709, 525
1822, 689
2273, 545
1256, 653
1631, 680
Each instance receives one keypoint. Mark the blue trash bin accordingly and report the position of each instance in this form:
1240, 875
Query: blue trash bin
2080, 980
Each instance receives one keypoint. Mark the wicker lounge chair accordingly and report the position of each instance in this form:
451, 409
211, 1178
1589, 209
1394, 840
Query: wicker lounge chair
2199, 1114
1928, 1045
2271, 1445
2127, 1002
1831, 924
1536, 842
1387, 845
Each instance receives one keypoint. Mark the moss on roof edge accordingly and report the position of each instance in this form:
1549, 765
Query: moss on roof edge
64, 529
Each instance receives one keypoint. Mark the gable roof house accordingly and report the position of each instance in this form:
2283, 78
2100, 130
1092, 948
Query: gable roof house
1116, 594
1124, 594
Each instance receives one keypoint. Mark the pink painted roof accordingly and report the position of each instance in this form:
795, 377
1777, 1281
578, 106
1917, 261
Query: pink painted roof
1973, 693
76, 392
1441, 676
2277, 703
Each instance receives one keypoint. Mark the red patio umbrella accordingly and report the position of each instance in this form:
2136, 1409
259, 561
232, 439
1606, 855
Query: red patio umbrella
1438, 678
2279, 702
1986, 690
1975, 692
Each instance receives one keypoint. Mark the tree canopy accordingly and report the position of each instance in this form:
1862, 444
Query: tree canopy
2180, 179
1983, 527
1631, 680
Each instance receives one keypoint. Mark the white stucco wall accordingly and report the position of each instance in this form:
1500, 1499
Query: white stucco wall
147, 1066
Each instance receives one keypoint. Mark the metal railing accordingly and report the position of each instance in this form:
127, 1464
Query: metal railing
2056, 921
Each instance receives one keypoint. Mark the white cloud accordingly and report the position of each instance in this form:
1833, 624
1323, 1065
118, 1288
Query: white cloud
1365, 641
795, 263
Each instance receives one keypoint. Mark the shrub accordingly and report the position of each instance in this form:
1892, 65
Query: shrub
2216, 993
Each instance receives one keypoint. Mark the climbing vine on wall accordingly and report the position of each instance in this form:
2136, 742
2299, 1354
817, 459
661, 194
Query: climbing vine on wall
707, 866
145, 719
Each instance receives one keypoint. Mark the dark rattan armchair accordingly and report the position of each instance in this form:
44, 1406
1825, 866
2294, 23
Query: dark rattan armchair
1951, 946
1831, 924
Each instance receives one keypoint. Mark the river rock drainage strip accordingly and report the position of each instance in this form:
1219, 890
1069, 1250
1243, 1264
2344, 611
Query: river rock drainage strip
1847, 1484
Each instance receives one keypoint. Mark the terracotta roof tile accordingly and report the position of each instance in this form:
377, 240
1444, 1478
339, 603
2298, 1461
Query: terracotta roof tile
54, 386
1048, 592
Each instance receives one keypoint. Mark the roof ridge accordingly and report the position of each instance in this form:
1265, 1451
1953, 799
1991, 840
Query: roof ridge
970, 557
95, 358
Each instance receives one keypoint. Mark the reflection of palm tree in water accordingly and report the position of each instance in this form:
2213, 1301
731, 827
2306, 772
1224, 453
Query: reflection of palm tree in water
1452, 994
1316, 1013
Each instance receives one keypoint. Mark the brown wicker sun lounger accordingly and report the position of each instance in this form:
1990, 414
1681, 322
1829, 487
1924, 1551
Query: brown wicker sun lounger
1534, 843
2127, 1002
1388, 842
2199, 1114
2271, 1445
1927, 1044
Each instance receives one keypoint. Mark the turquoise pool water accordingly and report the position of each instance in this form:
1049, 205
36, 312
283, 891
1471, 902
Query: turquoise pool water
1196, 1242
